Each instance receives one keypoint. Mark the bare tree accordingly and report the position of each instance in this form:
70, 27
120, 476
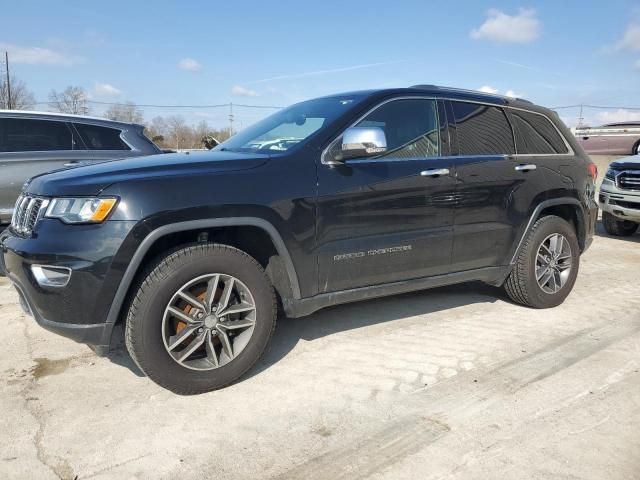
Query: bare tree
179, 134
200, 131
21, 97
72, 100
221, 135
125, 112
156, 130
173, 132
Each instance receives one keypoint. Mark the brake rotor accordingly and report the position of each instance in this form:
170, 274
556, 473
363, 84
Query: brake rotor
180, 325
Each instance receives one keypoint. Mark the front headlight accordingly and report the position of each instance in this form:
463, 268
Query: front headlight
611, 174
80, 210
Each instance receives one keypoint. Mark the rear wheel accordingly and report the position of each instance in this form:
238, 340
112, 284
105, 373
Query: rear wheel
547, 265
200, 318
618, 228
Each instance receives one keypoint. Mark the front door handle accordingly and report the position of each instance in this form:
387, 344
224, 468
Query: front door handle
72, 163
525, 168
434, 172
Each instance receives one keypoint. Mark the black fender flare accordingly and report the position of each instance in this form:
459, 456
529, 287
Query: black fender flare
149, 240
574, 202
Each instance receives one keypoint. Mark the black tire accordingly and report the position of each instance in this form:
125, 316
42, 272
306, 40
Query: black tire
521, 284
618, 228
143, 330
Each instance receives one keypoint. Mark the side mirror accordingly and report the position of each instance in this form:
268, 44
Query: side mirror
363, 142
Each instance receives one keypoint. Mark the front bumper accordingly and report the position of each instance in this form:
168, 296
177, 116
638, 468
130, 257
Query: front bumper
622, 204
79, 309
97, 335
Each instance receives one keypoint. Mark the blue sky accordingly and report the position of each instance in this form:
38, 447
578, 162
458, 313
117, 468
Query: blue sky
276, 53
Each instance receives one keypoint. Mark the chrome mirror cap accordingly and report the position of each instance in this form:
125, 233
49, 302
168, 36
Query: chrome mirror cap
363, 142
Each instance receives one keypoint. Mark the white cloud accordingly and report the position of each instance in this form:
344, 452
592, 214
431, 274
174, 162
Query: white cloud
495, 91
105, 90
190, 65
631, 38
500, 27
37, 55
488, 89
619, 115
241, 91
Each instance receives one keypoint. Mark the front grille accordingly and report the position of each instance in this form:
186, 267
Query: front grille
27, 212
629, 180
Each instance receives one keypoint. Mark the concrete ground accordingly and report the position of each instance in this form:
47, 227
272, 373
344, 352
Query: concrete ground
453, 383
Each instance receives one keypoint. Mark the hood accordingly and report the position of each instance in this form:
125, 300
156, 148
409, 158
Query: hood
627, 162
92, 179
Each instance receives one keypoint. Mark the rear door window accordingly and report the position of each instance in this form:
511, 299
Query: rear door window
482, 129
31, 135
535, 134
101, 138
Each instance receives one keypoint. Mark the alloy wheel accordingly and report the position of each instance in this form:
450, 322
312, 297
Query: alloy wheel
553, 263
208, 321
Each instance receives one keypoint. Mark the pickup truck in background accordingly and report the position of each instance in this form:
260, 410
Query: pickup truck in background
619, 197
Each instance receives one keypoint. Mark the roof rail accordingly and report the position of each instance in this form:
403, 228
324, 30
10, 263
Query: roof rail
466, 90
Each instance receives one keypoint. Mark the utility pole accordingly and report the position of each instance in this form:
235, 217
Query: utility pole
581, 118
6, 58
231, 119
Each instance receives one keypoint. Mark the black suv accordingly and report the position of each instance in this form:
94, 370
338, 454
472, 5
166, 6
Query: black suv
332, 200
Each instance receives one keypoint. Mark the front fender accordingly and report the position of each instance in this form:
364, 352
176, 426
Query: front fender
156, 234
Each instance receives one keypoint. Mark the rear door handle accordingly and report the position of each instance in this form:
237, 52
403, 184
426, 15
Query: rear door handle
72, 163
525, 168
434, 172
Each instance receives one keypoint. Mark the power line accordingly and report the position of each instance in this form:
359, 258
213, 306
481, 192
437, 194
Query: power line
600, 107
152, 105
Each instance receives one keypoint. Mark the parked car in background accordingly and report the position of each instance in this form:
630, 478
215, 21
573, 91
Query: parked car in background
32, 143
621, 138
332, 200
620, 197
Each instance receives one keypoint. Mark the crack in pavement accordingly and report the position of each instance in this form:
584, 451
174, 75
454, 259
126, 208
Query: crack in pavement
61, 467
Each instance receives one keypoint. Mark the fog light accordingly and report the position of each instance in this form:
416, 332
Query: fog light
50, 276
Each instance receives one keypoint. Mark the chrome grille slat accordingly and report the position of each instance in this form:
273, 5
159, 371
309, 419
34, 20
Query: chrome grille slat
28, 210
628, 180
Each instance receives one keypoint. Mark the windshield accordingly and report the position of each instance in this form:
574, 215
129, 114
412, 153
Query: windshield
285, 129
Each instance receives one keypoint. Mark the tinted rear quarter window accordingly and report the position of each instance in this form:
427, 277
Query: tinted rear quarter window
535, 134
482, 129
31, 135
101, 138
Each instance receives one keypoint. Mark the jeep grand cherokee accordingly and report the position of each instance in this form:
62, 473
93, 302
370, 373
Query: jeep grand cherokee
332, 200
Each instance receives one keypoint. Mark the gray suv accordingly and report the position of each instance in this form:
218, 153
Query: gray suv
32, 143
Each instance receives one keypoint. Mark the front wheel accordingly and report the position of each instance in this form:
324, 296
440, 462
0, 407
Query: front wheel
618, 228
200, 318
547, 264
